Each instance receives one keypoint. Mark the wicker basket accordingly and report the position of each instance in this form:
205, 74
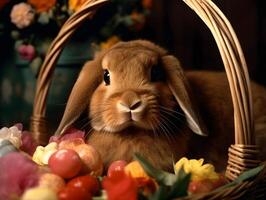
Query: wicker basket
243, 154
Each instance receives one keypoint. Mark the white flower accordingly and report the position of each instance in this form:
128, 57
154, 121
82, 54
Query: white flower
13, 134
42, 154
22, 15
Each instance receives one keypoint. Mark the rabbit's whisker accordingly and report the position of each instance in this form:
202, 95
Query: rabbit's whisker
169, 122
153, 127
170, 110
165, 129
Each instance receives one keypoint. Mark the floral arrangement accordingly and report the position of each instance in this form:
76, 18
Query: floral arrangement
34, 23
68, 168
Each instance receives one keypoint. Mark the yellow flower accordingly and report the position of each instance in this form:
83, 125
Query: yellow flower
198, 170
74, 5
135, 170
42, 154
110, 42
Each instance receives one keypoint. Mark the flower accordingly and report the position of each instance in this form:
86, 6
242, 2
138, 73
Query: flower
13, 134
42, 154
198, 170
69, 134
17, 173
144, 182
26, 52
28, 145
135, 170
42, 5
22, 15
120, 186
32, 19
138, 20
74, 5
147, 3
110, 42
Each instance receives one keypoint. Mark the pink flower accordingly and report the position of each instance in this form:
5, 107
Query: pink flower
26, 52
28, 143
17, 173
69, 134
22, 15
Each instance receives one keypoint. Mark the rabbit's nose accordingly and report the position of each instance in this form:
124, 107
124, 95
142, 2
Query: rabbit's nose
133, 106
130, 102
136, 104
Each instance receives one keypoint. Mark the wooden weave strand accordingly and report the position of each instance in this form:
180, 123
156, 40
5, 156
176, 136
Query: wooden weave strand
38, 122
237, 74
241, 158
39, 128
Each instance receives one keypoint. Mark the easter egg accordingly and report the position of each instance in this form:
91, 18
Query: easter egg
87, 182
71, 143
52, 181
92, 162
73, 193
115, 166
65, 163
39, 193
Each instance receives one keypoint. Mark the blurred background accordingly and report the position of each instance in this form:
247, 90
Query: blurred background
28, 26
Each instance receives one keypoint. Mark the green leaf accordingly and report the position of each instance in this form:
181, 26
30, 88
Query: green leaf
179, 188
243, 177
248, 174
160, 176
160, 194
44, 18
35, 65
15, 35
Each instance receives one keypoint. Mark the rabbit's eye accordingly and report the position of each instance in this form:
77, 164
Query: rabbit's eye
106, 77
157, 74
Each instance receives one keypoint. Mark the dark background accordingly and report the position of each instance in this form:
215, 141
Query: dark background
181, 31
176, 27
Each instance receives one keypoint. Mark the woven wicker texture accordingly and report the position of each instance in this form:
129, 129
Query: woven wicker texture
242, 154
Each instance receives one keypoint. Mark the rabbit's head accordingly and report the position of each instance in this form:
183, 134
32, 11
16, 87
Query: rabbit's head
131, 84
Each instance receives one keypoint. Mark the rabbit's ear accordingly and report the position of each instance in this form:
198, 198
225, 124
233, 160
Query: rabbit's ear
88, 80
180, 89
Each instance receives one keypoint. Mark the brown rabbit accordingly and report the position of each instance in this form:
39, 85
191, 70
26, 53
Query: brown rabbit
139, 100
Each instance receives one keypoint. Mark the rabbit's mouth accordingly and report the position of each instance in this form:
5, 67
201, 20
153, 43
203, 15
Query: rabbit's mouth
128, 124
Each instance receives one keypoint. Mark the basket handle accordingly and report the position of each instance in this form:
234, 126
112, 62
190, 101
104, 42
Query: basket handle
38, 123
243, 154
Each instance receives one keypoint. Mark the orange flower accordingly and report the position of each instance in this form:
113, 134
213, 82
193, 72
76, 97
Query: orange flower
110, 42
74, 5
138, 20
42, 5
147, 4
144, 182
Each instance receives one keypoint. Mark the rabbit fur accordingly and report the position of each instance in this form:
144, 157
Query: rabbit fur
139, 99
